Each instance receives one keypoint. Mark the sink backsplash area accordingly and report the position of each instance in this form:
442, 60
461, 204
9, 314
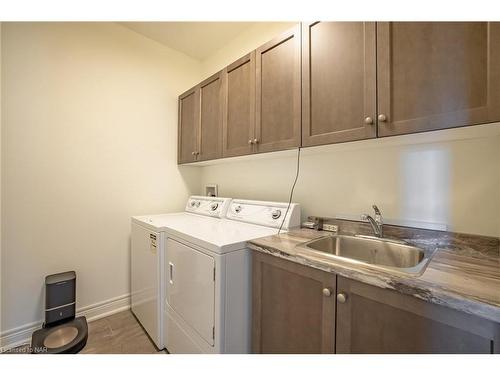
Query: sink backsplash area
462, 243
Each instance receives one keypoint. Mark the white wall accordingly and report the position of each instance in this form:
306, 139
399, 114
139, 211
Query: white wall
242, 44
455, 182
89, 134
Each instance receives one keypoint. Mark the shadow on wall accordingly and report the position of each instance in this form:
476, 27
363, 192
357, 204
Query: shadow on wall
191, 179
425, 185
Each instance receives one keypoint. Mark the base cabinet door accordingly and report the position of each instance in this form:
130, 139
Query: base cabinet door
373, 320
338, 82
278, 87
437, 75
293, 307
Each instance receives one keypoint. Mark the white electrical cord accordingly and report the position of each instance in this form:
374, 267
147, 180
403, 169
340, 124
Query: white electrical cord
291, 191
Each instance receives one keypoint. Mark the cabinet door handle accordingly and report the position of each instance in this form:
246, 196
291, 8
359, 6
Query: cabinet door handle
250, 142
368, 120
327, 292
382, 117
255, 141
171, 273
193, 153
341, 298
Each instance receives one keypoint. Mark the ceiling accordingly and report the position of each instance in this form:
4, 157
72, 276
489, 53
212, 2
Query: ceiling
196, 39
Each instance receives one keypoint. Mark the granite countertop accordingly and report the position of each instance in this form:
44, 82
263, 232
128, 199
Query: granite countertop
463, 273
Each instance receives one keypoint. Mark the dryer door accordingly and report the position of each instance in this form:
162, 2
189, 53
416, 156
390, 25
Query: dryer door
191, 287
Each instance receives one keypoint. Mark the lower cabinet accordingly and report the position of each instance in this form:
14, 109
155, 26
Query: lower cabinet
376, 320
298, 309
293, 307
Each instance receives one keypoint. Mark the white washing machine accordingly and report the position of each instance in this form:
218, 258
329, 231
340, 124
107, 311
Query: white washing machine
147, 258
208, 274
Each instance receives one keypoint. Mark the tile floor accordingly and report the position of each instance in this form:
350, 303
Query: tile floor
116, 334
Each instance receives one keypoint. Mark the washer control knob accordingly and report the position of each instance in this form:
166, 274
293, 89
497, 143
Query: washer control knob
276, 214
237, 209
198, 204
192, 203
214, 206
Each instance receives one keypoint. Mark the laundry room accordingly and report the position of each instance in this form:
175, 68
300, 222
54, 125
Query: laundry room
217, 185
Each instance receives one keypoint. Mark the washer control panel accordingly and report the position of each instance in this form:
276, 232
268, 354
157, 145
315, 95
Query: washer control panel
208, 206
271, 214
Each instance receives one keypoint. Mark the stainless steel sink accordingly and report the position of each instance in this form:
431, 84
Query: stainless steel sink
378, 253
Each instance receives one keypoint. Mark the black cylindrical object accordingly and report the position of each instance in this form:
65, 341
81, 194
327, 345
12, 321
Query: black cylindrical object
60, 297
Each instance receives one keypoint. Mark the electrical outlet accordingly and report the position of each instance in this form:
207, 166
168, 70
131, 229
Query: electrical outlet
330, 227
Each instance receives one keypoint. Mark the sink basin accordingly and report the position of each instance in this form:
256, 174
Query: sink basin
373, 252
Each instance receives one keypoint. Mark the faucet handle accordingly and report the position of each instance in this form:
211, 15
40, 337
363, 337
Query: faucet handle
318, 223
378, 215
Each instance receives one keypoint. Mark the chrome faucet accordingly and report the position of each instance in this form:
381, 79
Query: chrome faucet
318, 223
376, 222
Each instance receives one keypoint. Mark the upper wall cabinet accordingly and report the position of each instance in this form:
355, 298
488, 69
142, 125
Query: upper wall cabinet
189, 105
338, 82
211, 110
200, 121
277, 123
239, 109
352, 81
435, 75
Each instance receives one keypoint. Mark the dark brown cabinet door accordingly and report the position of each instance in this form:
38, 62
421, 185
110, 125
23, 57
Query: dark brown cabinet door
189, 105
239, 109
292, 311
375, 320
338, 82
210, 125
436, 75
278, 90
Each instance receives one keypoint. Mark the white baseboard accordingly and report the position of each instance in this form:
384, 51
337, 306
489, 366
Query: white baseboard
22, 335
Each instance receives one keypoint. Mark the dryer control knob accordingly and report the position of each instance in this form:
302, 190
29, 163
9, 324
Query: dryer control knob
237, 209
276, 214
214, 206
